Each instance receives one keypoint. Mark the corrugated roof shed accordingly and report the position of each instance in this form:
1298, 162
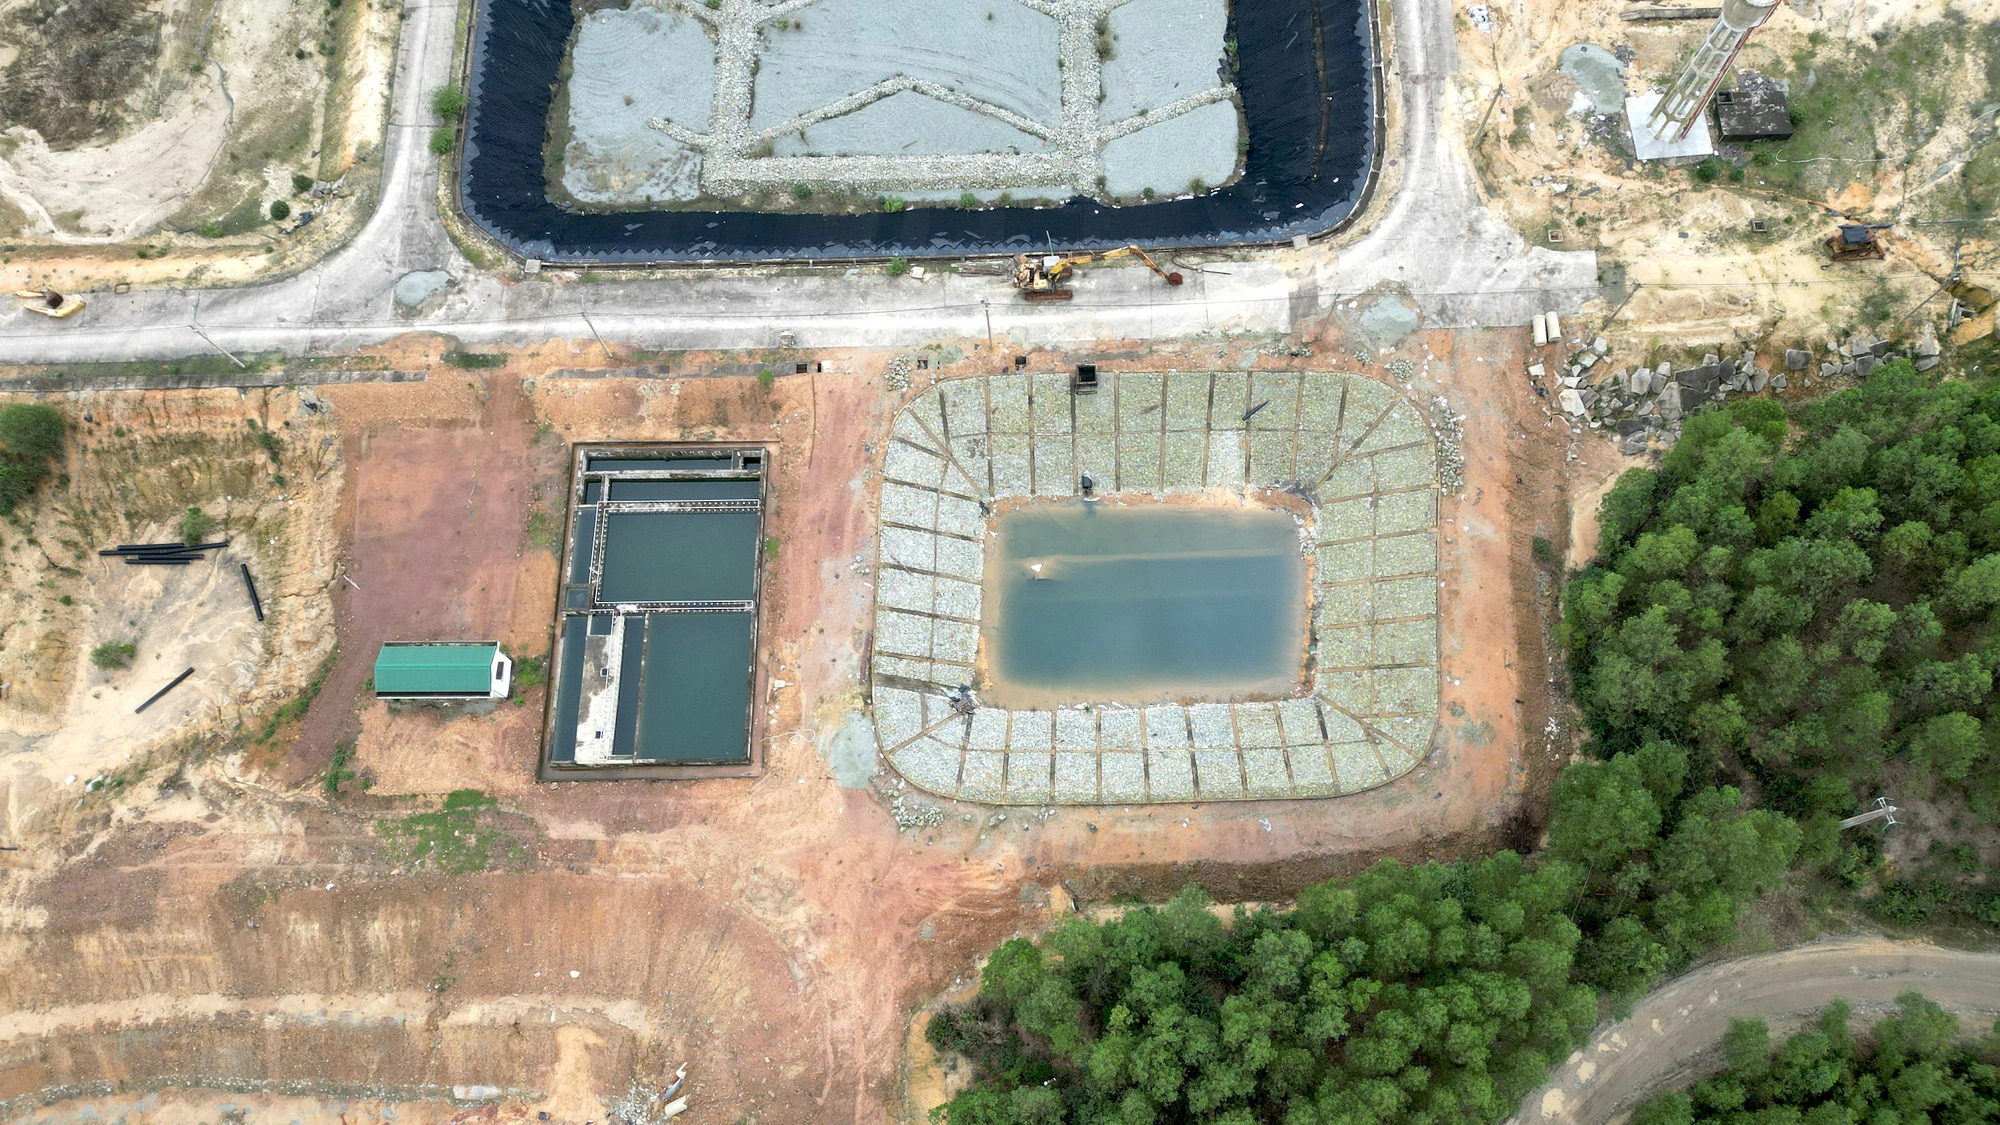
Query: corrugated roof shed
449, 668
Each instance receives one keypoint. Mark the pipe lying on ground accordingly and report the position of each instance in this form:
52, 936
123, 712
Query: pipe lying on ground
160, 548
256, 602
155, 697
160, 560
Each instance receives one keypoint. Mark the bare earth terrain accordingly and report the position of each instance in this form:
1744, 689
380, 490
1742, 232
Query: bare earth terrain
222, 918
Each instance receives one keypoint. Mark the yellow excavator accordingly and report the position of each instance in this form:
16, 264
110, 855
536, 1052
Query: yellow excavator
48, 302
1040, 277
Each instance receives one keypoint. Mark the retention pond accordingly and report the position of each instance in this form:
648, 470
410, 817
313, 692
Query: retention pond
656, 624
1091, 601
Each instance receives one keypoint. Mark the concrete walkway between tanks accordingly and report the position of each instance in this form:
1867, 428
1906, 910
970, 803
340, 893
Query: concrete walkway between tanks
1460, 263
1674, 1035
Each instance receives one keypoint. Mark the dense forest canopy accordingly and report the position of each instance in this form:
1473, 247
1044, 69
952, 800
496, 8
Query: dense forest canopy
1814, 612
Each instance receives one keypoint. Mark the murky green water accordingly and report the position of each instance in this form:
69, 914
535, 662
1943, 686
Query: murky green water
1096, 602
679, 556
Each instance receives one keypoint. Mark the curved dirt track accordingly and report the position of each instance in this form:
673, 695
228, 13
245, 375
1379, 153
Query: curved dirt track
1675, 1033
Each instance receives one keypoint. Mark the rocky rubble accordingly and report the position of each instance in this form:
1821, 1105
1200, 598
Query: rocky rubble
1644, 406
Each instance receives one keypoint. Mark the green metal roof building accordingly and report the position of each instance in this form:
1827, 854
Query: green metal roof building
442, 670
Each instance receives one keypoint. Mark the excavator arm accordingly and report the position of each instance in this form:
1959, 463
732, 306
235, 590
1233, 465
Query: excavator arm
1039, 277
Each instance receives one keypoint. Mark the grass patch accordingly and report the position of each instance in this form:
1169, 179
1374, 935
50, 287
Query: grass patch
208, 364
31, 439
454, 840
475, 252
544, 530
295, 709
112, 655
340, 773
475, 361
245, 216
1859, 112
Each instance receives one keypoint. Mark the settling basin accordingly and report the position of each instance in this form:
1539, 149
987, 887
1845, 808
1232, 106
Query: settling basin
1097, 602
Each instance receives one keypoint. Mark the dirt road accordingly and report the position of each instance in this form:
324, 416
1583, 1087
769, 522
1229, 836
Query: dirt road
1676, 1033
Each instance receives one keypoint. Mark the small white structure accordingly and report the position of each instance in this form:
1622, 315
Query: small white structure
442, 670
1647, 146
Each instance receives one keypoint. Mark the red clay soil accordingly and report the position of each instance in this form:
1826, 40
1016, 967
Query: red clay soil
774, 933
435, 520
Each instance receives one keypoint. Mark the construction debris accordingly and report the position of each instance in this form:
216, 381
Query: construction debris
1646, 405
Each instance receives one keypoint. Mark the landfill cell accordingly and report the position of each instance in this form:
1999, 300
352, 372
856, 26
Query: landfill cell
1305, 74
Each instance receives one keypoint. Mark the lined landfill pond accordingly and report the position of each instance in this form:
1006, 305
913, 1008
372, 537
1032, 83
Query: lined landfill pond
656, 625
739, 104
1093, 601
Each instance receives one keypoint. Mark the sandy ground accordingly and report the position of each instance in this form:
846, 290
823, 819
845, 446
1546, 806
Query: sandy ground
124, 189
141, 461
254, 107
234, 923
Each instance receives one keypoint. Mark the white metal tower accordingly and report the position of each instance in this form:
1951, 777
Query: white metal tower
1696, 82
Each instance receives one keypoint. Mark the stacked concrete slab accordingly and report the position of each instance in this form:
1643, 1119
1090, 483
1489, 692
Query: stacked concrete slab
1363, 457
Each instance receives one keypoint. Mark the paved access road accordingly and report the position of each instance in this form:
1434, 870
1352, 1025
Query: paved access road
1428, 235
1674, 1035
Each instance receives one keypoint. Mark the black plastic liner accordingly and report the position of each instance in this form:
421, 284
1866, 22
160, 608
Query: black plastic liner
1306, 73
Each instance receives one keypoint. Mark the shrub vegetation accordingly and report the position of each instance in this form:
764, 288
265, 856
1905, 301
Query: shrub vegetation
447, 102
196, 526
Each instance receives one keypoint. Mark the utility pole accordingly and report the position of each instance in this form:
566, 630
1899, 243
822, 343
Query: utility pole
1883, 811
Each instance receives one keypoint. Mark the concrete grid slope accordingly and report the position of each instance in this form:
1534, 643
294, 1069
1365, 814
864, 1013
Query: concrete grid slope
1363, 458
1459, 262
